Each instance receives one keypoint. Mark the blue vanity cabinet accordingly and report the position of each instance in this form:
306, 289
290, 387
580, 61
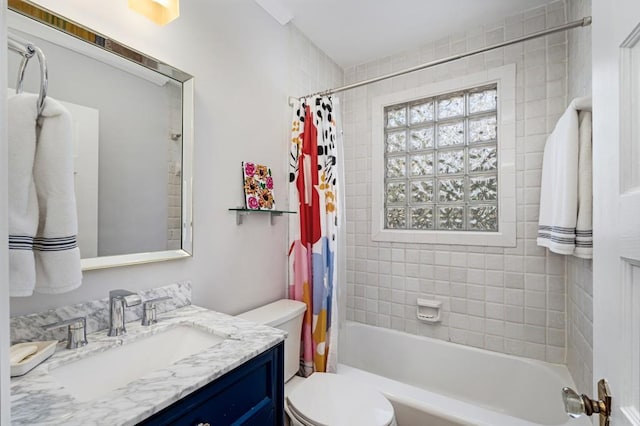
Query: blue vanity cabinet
250, 395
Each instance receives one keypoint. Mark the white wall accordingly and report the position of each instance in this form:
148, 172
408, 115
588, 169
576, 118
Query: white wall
509, 300
4, 236
579, 271
245, 66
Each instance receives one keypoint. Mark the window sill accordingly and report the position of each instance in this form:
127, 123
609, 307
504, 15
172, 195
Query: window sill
505, 238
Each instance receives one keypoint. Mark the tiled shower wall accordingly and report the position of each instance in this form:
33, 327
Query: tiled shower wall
174, 169
311, 69
579, 271
510, 300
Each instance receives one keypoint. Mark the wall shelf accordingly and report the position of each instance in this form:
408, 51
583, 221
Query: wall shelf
241, 211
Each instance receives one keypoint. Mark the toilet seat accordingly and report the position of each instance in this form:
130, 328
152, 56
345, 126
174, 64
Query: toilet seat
326, 399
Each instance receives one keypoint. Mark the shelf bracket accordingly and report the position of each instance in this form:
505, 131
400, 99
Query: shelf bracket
239, 215
272, 214
240, 212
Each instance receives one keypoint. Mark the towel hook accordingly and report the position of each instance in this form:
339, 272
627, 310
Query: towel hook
27, 50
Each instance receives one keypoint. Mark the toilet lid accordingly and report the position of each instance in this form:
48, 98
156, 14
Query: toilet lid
326, 399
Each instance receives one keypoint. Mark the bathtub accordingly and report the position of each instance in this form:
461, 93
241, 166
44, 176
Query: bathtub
435, 383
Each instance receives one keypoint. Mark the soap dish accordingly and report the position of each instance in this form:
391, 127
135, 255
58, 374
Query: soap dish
429, 310
44, 351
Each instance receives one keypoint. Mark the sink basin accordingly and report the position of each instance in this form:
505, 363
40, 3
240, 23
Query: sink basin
97, 375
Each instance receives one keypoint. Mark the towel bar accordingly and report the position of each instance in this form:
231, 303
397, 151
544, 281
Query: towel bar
27, 50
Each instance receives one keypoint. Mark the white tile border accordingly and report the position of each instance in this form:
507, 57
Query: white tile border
505, 77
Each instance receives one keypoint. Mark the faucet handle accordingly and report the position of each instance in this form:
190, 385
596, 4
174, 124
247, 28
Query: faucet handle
128, 297
132, 300
76, 331
149, 310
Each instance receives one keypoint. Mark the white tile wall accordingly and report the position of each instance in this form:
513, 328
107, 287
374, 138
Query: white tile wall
174, 170
579, 272
579, 50
580, 323
310, 70
509, 300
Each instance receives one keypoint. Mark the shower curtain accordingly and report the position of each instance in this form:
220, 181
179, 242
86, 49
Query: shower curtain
313, 232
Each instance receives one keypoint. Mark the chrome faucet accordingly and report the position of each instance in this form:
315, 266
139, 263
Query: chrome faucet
118, 300
149, 310
76, 331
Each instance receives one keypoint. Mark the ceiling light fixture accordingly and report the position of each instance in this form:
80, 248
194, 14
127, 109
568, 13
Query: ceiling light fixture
159, 11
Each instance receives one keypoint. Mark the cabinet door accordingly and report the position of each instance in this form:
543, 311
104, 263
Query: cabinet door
252, 394
261, 415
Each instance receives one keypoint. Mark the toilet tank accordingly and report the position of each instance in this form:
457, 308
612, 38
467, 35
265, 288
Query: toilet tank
286, 315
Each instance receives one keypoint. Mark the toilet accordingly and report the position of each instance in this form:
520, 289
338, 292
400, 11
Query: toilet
322, 399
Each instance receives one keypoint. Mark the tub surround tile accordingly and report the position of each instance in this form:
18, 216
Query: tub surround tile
38, 399
27, 328
502, 299
579, 272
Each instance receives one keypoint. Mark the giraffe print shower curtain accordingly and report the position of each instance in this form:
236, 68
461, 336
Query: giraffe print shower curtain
313, 232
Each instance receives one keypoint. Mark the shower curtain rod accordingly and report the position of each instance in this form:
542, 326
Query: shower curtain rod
584, 22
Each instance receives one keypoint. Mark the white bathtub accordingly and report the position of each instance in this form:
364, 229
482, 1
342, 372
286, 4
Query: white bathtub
435, 383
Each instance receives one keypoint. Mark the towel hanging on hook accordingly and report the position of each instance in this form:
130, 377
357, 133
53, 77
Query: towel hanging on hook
27, 50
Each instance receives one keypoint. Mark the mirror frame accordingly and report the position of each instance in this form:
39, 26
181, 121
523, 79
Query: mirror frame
106, 44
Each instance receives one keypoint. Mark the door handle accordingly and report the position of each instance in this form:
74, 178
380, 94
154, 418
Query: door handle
576, 405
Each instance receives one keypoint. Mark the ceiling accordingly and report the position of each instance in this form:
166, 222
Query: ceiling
353, 32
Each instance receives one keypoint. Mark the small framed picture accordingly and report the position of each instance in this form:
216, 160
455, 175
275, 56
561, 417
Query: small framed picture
258, 186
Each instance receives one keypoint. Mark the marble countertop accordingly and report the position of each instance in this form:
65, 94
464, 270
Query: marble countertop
37, 399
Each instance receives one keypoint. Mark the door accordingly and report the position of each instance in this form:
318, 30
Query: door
86, 139
616, 176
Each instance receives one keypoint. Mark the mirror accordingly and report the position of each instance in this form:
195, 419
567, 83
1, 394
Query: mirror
133, 138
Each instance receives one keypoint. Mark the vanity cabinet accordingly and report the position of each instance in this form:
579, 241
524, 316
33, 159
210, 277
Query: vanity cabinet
250, 395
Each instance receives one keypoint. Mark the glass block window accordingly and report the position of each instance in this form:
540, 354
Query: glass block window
441, 162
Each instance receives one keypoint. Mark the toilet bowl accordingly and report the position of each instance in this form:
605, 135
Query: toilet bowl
322, 399
326, 399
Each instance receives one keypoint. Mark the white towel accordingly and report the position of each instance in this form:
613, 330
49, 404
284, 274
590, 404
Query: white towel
23, 204
584, 224
55, 249
565, 222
